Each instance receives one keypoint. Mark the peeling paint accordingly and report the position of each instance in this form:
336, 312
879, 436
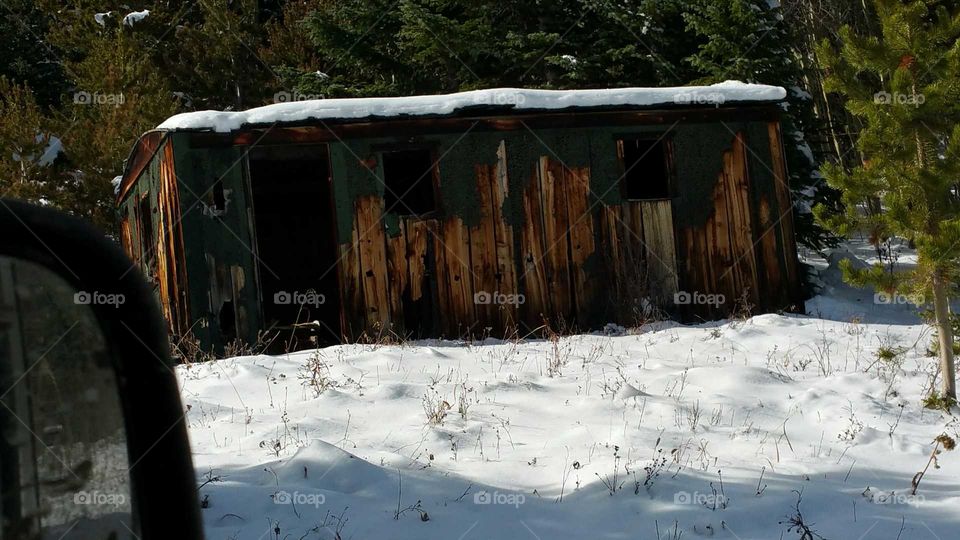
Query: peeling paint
530, 209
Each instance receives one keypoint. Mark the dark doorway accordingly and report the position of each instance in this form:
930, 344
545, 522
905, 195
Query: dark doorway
296, 246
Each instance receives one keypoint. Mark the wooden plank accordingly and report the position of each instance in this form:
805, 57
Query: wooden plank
613, 241
632, 226
165, 241
723, 277
454, 277
640, 252
785, 203
352, 315
582, 244
417, 233
373, 262
720, 256
178, 252
126, 237
703, 269
534, 277
661, 257
506, 270
442, 291
159, 248
774, 292
556, 225
483, 253
397, 276
741, 227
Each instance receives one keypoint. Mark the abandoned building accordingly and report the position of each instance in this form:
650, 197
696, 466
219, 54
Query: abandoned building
478, 213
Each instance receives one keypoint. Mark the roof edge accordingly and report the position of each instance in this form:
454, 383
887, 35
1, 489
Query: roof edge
496, 101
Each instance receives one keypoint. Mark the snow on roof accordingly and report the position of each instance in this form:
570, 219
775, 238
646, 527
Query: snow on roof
442, 105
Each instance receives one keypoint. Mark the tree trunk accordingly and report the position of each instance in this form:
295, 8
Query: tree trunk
945, 335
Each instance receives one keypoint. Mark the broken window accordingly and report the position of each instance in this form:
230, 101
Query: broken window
218, 199
409, 179
646, 170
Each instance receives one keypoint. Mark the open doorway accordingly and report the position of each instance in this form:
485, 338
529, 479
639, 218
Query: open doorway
297, 250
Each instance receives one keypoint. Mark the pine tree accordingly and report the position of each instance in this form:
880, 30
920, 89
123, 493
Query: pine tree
747, 40
117, 93
904, 85
27, 162
211, 54
353, 50
432, 46
24, 57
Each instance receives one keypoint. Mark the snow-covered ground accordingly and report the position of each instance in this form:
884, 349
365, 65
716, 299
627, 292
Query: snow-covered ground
717, 430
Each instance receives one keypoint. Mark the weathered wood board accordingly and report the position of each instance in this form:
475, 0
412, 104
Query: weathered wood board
638, 240
373, 261
785, 219
720, 256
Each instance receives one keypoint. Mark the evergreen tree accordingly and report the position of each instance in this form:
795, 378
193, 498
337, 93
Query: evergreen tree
355, 49
116, 93
287, 48
210, 57
747, 40
25, 57
904, 85
29, 149
433, 46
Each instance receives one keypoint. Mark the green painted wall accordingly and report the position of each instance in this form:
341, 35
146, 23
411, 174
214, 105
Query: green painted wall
211, 240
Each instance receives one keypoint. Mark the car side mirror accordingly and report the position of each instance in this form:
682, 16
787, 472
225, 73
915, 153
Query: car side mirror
93, 441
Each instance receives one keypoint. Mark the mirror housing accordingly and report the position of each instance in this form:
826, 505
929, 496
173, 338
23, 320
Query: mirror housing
162, 480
